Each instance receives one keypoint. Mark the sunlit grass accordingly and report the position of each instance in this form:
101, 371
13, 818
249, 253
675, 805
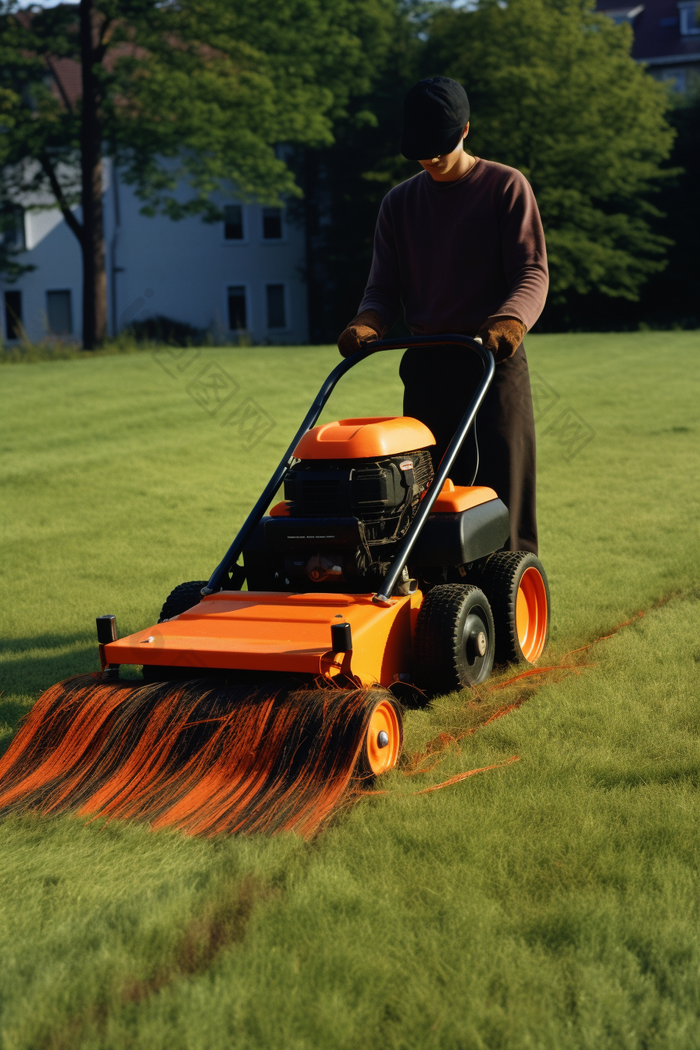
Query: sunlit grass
550, 903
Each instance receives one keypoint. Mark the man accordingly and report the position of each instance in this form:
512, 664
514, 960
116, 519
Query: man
461, 246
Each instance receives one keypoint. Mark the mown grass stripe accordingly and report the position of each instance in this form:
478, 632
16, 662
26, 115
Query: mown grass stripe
551, 904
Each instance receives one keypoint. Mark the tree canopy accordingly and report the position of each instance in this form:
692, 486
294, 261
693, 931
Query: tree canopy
204, 90
200, 91
555, 93
292, 97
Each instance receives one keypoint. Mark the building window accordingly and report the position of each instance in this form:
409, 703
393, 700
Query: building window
59, 313
12, 227
272, 224
233, 222
236, 308
689, 18
13, 315
276, 314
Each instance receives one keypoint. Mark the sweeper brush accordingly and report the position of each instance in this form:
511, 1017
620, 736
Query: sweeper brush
265, 709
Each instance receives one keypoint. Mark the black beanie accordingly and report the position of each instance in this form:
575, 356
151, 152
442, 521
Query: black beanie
435, 112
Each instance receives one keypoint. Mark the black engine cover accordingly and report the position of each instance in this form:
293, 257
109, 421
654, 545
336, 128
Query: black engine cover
463, 537
346, 519
302, 554
377, 492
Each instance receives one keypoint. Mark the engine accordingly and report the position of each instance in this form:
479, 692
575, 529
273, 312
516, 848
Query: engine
349, 499
381, 495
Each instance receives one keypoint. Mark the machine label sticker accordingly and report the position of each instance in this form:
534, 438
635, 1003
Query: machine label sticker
311, 536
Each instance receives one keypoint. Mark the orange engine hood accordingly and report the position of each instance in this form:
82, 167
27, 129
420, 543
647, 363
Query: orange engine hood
370, 438
277, 631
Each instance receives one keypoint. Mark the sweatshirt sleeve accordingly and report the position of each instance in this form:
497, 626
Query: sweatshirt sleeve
524, 251
383, 291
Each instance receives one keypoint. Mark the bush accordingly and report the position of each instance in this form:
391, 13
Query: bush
160, 329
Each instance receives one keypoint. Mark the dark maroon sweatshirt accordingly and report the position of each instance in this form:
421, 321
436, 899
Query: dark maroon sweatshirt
455, 253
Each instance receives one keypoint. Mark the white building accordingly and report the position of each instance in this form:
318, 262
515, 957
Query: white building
243, 277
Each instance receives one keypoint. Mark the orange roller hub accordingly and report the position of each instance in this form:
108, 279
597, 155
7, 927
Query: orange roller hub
531, 614
384, 737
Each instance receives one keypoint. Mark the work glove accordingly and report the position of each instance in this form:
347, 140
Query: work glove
363, 329
502, 336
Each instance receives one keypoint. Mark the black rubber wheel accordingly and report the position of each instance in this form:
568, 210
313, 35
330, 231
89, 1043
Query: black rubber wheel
185, 596
454, 643
182, 598
515, 584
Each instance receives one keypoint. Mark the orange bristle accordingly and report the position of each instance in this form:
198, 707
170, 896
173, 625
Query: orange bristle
205, 757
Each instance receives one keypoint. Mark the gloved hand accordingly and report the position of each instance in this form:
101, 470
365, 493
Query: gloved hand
502, 336
363, 329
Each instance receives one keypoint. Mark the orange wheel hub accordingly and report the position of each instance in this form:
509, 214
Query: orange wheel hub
531, 614
383, 741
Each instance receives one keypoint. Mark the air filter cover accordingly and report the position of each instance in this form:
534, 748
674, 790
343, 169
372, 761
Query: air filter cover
369, 438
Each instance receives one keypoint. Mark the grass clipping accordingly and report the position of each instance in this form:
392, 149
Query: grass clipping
205, 758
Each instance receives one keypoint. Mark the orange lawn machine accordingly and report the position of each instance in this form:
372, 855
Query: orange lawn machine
373, 570
375, 577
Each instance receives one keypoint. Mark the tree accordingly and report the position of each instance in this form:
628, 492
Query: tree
203, 91
671, 297
10, 218
344, 183
555, 93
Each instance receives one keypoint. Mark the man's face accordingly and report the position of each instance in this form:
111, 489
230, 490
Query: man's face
445, 163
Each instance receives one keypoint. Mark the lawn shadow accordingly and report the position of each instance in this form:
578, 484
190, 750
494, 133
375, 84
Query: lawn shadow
11, 711
47, 640
24, 679
30, 675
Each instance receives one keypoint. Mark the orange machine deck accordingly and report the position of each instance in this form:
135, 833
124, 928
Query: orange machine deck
279, 631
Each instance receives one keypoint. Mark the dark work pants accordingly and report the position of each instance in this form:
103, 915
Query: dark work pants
438, 384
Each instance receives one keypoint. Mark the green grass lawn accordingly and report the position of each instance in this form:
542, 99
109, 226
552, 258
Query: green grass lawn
550, 903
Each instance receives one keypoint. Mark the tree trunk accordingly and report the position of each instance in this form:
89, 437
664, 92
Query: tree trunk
93, 244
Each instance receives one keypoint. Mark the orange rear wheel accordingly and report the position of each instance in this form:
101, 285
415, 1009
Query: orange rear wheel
531, 614
516, 586
384, 738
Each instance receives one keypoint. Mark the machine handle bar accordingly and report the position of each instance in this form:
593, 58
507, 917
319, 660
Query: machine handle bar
232, 555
